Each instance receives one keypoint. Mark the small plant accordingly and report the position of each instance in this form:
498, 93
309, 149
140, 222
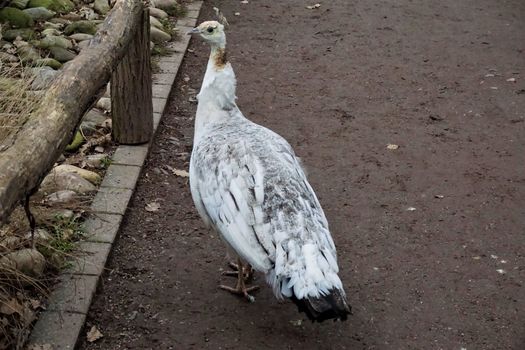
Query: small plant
64, 234
160, 50
177, 10
169, 28
106, 162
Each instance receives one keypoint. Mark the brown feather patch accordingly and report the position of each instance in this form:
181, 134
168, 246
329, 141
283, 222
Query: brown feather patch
220, 59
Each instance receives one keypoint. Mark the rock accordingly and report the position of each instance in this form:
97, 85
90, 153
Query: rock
39, 13
108, 124
41, 235
87, 27
88, 13
64, 214
78, 139
97, 161
51, 32
104, 103
16, 17
7, 57
57, 41
28, 53
158, 36
94, 116
101, 6
91, 176
43, 77
166, 5
48, 25
88, 128
61, 54
72, 17
49, 62
66, 181
25, 33
21, 4
158, 13
28, 261
61, 6
65, 196
60, 21
83, 44
155, 22
81, 37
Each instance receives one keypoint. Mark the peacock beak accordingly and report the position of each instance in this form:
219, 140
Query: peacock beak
194, 31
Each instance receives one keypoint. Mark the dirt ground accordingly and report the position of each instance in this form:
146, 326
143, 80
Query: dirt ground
430, 236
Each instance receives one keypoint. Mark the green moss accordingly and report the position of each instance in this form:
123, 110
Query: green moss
159, 50
61, 6
75, 144
15, 17
177, 10
24, 33
50, 62
87, 27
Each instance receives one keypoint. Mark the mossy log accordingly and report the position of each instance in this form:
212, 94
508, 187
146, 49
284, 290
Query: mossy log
32, 151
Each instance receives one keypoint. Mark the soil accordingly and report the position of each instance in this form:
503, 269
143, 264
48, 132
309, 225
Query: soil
430, 235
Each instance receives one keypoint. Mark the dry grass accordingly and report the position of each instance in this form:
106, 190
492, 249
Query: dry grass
23, 296
17, 102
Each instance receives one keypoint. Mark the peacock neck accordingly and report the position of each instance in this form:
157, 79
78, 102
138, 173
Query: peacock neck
217, 94
218, 57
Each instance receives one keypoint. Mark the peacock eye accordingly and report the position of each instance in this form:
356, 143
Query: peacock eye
210, 30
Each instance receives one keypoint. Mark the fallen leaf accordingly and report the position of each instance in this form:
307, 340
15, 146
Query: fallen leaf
12, 306
152, 207
392, 146
35, 304
93, 334
311, 7
296, 323
181, 173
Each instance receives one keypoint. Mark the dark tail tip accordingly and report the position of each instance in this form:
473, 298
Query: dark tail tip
326, 307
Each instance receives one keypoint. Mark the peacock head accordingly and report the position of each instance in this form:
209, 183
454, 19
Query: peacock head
211, 31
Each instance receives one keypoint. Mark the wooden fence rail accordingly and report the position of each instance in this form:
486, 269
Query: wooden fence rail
38, 144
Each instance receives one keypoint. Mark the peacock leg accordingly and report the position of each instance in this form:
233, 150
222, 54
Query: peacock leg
240, 288
247, 271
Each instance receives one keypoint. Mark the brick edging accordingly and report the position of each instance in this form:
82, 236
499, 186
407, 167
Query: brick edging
60, 325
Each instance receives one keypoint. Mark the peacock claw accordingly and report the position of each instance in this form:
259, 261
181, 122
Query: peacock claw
241, 290
244, 274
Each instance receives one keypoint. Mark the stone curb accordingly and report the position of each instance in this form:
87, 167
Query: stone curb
60, 325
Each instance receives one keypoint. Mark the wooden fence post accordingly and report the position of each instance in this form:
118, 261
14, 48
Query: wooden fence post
131, 105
